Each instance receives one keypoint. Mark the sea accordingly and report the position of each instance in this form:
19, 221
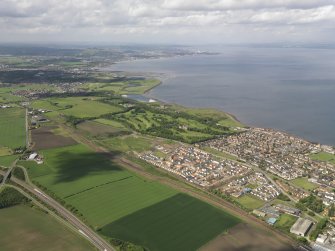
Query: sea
288, 89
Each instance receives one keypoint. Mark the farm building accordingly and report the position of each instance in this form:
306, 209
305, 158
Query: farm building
287, 210
271, 221
301, 227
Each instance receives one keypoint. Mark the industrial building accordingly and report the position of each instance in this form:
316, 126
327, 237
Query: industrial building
301, 227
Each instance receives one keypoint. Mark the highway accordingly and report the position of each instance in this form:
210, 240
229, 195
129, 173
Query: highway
84, 230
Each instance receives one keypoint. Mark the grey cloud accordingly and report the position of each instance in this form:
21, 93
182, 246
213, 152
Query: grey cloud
180, 19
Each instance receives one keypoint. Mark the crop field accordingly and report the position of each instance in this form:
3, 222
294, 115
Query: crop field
128, 143
250, 202
112, 201
4, 151
100, 130
304, 183
106, 195
80, 107
323, 156
73, 169
177, 223
7, 160
24, 228
12, 127
138, 86
246, 237
45, 138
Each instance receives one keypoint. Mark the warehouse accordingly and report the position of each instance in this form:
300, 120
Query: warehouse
301, 227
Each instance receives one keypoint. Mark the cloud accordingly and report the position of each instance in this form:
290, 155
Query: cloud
145, 19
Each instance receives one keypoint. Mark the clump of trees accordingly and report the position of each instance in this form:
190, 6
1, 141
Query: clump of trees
318, 228
312, 202
19, 173
10, 197
283, 197
331, 211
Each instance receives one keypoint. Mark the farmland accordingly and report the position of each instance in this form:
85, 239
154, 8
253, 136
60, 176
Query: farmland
7, 160
96, 129
80, 107
12, 127
45, 137
112, 201
106, 195
36, 231
135, 86
178, 223
128, 143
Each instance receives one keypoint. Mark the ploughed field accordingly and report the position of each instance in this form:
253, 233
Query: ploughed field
24, 228
12, 128
46, 137
122, 205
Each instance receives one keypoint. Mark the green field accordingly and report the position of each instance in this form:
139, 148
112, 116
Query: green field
24, 228
166, 122
304, 183
4, 151
72, 169
128, 143
250, 202
323, 156
7, 160
177, 223
12, 127
80, 107
110, 202
106, 194
285, 222
124, 87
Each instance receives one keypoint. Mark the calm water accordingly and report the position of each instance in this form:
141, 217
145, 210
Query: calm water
288, 89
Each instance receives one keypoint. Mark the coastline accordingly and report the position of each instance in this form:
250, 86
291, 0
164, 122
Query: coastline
159, 76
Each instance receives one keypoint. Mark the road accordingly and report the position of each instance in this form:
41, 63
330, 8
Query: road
84, 230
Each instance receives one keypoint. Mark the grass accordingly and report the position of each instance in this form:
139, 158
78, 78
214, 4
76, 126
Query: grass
177, 223
118, 199
80, 107
4, 151
106, 194
128, 143
168, 123
36, 231
285, 222
112, 123
304, 183
124, 87
72, 169
219, 153
323, 156
12, 127
99, 130
7, 160
250, 202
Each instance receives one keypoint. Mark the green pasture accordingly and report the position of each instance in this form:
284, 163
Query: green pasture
180, 223
12, 127
24, 228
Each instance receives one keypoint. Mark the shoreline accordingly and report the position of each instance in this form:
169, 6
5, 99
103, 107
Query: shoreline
158, 75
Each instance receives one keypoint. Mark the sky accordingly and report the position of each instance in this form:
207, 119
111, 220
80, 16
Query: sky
168, 21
